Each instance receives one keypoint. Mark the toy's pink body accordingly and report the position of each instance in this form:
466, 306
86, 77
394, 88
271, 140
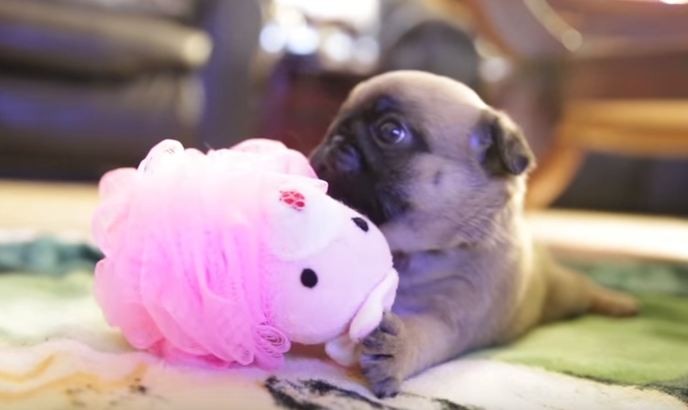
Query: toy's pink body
212, 257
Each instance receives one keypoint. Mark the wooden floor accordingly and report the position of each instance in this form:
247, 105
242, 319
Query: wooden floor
47, 207
607, 235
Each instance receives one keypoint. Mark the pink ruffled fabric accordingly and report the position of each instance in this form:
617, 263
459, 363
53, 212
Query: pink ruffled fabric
182, 272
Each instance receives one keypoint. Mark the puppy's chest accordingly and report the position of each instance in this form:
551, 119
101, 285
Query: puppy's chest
424, 269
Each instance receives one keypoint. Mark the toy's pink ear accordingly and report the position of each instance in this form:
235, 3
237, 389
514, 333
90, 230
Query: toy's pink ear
301, 218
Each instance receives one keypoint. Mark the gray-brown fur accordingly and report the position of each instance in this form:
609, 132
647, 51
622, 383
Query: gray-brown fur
449, 199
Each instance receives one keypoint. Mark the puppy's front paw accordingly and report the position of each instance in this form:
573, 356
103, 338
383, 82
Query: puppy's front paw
383, 356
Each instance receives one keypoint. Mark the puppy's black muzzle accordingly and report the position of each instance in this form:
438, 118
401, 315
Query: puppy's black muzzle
338, 157
347, 162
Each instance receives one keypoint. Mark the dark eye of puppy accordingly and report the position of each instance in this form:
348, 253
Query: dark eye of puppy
309, 278
361, 223
390, 132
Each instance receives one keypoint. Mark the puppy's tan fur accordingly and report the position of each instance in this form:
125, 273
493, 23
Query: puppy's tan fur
470, 273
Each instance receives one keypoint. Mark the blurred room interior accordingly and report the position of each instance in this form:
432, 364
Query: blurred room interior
599, 87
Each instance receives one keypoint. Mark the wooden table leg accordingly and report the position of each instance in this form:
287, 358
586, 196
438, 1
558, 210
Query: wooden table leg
554, 173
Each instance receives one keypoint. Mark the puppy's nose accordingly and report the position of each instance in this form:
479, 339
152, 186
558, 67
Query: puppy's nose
346, 159
342, 156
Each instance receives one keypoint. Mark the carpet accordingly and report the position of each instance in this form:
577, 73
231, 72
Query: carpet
56, 351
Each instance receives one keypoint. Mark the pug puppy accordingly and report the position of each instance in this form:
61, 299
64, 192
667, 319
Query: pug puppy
444, 176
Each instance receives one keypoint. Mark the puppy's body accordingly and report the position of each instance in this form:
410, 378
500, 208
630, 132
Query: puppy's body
443, 175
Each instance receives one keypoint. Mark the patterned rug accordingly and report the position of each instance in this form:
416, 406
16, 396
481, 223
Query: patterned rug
56, 351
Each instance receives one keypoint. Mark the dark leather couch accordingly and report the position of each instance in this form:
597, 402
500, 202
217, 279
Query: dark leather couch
87, 85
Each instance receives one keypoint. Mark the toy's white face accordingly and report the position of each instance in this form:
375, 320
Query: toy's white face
317, 295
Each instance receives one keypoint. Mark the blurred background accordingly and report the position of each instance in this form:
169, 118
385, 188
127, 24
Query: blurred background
600, 87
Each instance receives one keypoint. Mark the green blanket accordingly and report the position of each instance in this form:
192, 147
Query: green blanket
48, 256
649, 350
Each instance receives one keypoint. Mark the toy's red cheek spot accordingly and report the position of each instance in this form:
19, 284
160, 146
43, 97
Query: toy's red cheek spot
294, 199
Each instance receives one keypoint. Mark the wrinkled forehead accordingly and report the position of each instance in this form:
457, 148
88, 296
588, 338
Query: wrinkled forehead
444, 109
410, 86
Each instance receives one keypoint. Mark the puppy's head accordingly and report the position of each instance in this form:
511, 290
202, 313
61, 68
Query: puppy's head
425, 158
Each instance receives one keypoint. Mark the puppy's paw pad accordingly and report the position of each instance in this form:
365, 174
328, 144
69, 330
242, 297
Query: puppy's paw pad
386, 339
377, 367
382, 357
391, 324
386, 388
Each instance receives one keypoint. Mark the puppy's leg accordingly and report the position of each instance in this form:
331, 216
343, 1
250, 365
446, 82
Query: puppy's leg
404, 345
571, 293
437, 321
612, 303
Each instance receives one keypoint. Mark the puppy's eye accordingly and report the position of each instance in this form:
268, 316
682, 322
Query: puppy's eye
391, 132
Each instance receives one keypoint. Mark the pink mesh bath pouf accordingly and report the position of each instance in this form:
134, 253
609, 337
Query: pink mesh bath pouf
228, 257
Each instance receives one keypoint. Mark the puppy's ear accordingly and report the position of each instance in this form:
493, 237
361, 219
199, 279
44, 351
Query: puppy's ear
500, 145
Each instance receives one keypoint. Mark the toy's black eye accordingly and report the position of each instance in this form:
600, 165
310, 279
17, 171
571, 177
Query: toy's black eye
361, 223
391, 132
309, 278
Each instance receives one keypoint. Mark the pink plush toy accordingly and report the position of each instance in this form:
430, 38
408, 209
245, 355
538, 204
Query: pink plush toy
229, 256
